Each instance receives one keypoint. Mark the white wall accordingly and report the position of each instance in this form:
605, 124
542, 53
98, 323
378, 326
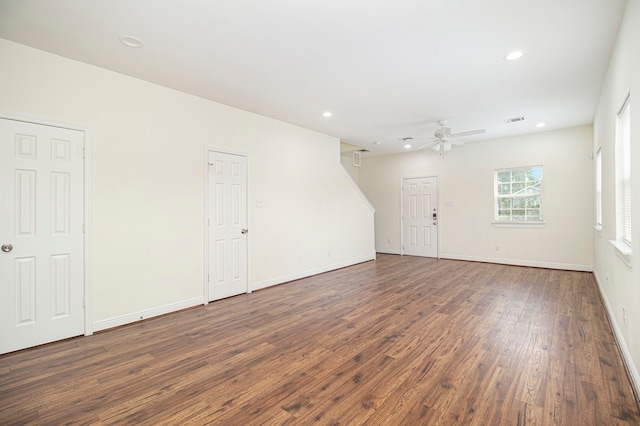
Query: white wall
620, 284
346, 158
147, 188
465, 198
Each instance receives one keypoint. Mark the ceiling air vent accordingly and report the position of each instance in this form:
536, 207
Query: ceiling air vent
514, 119
364, 150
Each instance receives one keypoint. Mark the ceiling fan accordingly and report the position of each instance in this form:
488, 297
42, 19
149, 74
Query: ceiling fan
443, 139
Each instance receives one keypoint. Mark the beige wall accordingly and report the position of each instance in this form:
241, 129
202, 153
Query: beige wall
346, 158
620, 283
147, 188
465, 198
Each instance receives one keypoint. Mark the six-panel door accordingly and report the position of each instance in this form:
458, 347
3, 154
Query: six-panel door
41, 264
227, 221
420, 217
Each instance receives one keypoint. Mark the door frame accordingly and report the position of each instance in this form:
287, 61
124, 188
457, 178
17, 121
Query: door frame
205, 280
402, 179
86, 195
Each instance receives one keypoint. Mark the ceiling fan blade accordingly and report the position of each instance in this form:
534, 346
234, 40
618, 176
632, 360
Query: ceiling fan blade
469, 133
427, 145
457, 142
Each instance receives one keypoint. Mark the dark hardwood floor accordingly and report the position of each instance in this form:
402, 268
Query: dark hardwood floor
396, 341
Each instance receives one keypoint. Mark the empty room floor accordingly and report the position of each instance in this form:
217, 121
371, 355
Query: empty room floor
396, 341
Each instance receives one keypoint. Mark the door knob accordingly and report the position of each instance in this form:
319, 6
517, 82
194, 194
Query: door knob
7, 248
245, 231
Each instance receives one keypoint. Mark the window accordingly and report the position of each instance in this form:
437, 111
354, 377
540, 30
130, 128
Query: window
623, 177
518, 195
599, 189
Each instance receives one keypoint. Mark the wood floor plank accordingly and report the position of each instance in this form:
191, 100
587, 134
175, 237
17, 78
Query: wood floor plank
396, 341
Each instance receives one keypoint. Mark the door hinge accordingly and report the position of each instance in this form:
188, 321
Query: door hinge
83, 229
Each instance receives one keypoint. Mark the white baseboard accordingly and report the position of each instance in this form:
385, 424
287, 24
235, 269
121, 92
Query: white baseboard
627, 359
310, 272
388, 251
146, 314
518, 262
173, 307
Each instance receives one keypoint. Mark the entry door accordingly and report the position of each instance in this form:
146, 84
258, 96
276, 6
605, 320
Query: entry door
420, 216
41, 262
228, 233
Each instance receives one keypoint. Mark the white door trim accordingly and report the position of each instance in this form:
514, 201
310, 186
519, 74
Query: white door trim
205, 280
86, 162
402, 179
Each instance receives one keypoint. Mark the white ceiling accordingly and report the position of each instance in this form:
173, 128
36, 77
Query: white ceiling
385, 69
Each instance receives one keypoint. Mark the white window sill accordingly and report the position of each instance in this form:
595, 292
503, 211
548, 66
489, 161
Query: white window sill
623, 251
518, 224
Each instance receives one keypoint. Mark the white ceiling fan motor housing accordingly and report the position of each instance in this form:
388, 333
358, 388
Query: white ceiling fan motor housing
443, 133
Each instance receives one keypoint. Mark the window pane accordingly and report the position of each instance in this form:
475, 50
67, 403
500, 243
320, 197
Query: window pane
504, 189
519, 203
518, 175
504, 176
623, 174
504, 203
599, 187
517, 188
533, 202
533, 190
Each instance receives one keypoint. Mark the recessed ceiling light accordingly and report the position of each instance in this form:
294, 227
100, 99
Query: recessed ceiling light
131, 41
407, 146
326, 114
512, 56
541, 124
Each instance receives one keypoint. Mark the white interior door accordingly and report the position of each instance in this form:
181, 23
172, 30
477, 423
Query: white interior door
228, 234
41, 262
420, 216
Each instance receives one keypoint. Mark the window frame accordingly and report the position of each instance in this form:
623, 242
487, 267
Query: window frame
623, 195
497, 197
598, 188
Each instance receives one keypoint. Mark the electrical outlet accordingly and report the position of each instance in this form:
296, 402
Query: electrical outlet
388, 240
497, 247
